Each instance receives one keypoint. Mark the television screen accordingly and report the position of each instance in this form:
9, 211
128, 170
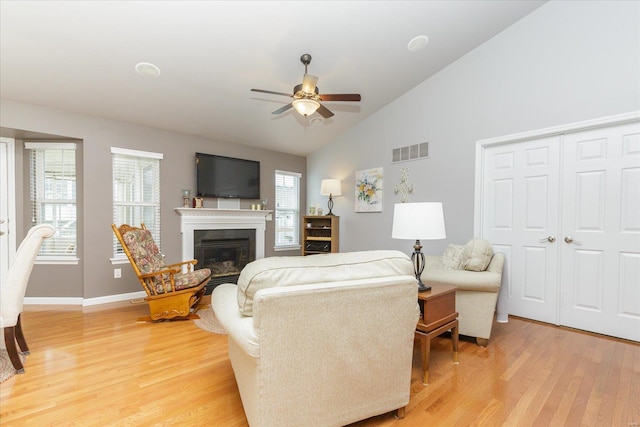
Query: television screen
218, 176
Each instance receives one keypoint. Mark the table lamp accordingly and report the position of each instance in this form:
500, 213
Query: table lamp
330, 187
418, 221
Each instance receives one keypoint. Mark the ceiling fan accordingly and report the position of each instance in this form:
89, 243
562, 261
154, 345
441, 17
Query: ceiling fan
307, 97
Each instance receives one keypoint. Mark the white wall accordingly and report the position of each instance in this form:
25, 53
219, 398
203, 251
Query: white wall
567, 61
93, 277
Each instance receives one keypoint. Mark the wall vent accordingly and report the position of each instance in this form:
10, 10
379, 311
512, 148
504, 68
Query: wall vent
410, 152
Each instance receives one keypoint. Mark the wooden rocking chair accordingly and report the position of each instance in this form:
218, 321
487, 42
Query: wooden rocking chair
171, 294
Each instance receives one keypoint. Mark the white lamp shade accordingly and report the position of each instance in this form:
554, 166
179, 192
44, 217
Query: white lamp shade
417, 221
330, 187
305, 106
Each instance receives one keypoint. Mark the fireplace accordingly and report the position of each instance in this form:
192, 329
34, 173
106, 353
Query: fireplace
224, 252
229, 222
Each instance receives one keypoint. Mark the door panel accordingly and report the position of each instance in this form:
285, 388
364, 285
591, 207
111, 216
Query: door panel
519, 211
601, 231
588, 271
535, 266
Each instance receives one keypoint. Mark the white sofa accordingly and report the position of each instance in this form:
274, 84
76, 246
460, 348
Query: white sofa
477, 273
323, 340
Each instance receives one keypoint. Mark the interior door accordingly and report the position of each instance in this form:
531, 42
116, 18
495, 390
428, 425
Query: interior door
600, 242
520, 218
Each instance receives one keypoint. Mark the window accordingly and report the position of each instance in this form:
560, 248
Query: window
136, 192
53, 198
287, 210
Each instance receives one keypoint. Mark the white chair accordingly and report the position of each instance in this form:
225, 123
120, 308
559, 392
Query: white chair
322, 340
13, 290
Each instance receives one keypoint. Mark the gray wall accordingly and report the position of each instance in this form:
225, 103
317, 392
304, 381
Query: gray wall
568, 61
93, 277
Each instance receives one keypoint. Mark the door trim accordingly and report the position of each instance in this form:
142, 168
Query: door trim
481, 145
9, 198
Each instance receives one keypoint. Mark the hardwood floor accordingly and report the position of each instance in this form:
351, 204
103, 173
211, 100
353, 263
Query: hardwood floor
98, 367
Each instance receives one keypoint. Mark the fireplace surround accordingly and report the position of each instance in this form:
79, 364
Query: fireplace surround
232, 238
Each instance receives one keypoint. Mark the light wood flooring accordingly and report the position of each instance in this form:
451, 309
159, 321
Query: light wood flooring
98, 367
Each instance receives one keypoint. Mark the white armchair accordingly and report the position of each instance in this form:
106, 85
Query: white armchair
13, 290
324, 340
476, 271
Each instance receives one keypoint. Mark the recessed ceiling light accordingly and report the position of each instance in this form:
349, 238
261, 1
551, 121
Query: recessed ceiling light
316, 121
147, 69
417, 43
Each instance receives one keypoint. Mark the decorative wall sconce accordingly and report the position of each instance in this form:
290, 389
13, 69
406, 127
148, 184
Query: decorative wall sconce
405, 187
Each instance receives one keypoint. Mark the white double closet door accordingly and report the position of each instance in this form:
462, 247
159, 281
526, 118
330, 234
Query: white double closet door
564, 207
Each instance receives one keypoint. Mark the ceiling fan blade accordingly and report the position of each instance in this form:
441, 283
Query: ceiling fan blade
324, 111
272, 92
340, 97
283, 109
309, 83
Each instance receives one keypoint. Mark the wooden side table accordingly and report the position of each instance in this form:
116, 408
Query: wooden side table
437, 315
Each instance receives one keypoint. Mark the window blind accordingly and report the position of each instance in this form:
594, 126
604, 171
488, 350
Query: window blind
136, 192
287, 209
53, 196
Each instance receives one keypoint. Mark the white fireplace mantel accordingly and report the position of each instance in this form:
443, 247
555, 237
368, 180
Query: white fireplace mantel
192, 219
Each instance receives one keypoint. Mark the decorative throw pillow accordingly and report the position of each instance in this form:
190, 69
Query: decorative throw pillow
453, 257
477, 253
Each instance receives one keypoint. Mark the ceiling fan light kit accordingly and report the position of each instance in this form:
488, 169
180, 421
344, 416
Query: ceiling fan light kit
305, 106
307, 97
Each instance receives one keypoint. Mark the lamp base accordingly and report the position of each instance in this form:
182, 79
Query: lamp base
330, 206
417, 257
423, 288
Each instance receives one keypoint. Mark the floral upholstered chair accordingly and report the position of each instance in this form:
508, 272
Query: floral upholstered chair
171, 293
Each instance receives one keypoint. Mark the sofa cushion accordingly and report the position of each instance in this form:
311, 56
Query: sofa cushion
453, 257
298, 270
477, 254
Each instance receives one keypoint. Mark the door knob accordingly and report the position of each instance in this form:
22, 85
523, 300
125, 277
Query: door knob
569, 239
549, 239
1, 233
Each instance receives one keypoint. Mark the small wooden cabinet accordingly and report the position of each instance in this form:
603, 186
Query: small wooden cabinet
320, 234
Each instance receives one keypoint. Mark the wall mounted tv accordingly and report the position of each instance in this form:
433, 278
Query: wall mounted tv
226, 177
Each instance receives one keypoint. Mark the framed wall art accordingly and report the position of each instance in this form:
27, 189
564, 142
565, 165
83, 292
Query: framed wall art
368, 195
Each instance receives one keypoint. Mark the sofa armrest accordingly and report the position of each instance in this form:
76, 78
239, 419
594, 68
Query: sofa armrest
238, 327
497, 263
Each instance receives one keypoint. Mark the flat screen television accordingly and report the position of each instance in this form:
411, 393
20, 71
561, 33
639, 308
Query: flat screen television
219, 176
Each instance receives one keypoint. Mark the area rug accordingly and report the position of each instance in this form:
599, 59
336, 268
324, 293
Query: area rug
208, 322
6, 368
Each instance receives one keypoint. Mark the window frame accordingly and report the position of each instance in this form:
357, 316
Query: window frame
123, 155
38, 198
295, 212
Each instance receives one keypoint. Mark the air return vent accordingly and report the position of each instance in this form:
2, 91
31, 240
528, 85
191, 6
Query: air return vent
410, 152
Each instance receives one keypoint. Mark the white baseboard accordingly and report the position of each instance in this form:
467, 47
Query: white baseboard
114, 298
85, 302
52, 300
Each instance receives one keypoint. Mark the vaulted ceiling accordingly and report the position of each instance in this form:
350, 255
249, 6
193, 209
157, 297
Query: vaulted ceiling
80, 56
